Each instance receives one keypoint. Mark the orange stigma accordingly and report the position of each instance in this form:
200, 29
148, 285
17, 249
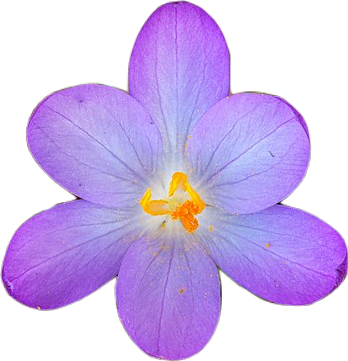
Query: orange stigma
176, 205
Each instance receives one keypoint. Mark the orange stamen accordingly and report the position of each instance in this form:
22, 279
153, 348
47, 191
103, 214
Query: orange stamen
185, 212
155, 208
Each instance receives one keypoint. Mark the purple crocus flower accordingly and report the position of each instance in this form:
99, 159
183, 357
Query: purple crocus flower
173, 180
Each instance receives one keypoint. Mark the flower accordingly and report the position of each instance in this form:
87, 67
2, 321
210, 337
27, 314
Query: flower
176, 178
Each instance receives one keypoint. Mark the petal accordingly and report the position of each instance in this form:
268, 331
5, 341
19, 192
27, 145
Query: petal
97, 142
179, 68
65, 253
281, 254
249, 152
168, 297
342, 272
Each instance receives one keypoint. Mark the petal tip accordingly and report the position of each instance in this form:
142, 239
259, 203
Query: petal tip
341, 273
7, 283
298, 116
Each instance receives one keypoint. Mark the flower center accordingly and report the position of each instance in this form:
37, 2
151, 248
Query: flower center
183, 202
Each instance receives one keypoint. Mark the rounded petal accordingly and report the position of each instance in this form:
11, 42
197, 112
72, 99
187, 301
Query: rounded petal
63, 254
179, 68
342, 272
168, 297
249, 152
281, 254
97, 142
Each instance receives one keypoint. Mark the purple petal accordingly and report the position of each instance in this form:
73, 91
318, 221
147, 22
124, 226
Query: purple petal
179, 68
97, 142
342, 272
281, 254
168, 297
65, 253
249, 152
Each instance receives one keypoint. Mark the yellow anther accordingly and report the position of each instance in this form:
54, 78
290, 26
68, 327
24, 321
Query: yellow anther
178, 182
184, 211
195, 197
155, 208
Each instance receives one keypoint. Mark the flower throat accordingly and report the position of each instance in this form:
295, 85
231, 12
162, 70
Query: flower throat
176, 205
